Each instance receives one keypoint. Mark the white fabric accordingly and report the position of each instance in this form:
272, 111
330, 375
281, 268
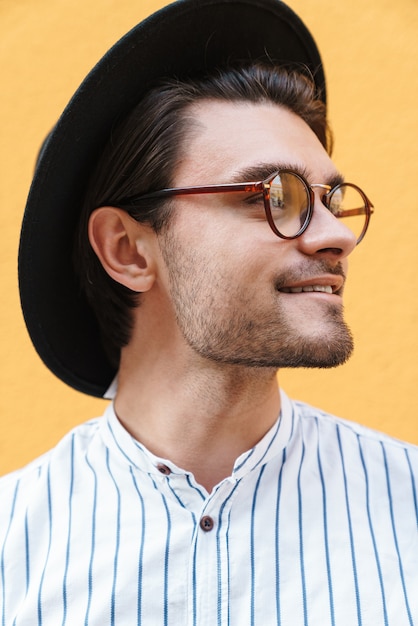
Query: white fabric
317, 526
110, 392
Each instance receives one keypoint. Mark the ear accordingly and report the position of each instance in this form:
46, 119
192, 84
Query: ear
124, 247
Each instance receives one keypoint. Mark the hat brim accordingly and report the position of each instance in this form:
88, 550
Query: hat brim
188, 37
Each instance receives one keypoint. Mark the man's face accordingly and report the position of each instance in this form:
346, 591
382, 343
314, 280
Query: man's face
242, 295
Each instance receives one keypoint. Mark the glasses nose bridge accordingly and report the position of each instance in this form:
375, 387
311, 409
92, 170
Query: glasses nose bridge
324, 191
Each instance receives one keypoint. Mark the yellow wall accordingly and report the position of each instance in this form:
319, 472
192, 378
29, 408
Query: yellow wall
370, 51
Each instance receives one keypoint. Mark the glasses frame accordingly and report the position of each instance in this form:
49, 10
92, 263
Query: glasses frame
264, 186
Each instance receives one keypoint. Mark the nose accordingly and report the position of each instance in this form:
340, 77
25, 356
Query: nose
326, 235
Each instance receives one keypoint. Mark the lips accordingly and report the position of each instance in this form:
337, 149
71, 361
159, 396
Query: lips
312, 278
326, 283
308, 288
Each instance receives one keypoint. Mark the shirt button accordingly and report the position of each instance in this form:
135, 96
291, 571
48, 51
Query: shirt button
163, 469
207, 523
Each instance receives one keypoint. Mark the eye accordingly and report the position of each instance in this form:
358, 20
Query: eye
252, 206
254, 198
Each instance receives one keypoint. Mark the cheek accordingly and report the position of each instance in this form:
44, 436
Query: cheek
214, 250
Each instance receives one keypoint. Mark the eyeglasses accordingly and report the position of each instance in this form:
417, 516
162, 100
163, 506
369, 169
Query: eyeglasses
289, 201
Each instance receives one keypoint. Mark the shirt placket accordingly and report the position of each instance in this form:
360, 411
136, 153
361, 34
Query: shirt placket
208, 584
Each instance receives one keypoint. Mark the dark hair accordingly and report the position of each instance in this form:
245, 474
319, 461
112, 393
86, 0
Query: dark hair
141, 156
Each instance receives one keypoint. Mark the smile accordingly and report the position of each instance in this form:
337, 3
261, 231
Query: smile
308, 288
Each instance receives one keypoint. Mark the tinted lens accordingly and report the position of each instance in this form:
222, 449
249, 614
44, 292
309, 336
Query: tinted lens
348, 204
289, 203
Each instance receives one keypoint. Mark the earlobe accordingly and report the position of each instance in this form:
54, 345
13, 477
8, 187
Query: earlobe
124, 247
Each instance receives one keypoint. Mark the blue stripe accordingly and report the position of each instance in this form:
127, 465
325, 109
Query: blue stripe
166, 554
167, 480
293, 423
249, 455
301, 549
115, 558
93, 545
166, 561
70, 515
194, 600
194, 580
252, 544
395, 537
27, 564
27, 545
41, 584
229, 569
379, 569
273, 439
350, 528
141, 551
276, 547
177, 497
251, 452
414, 489
118, 446
27, 561
189, 482
3, 586
327, 554
219, 555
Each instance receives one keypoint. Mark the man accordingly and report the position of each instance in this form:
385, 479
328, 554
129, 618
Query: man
186, 235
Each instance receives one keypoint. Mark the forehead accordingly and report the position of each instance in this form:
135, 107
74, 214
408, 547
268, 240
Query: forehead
227, 138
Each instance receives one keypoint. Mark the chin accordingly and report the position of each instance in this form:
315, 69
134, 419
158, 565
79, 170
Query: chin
326, 352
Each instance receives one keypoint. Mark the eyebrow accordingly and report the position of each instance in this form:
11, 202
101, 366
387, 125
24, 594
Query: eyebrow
261, 171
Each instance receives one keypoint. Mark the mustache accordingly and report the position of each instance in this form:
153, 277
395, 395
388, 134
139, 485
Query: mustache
307, 270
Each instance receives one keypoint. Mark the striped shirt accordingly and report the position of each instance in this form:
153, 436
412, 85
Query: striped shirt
316, 526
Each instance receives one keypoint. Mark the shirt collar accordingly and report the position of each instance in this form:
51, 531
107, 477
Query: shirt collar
120, 442
273, 442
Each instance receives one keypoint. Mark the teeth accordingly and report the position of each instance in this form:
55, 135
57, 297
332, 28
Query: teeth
323, 288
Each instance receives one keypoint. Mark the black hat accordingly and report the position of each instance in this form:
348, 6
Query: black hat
188, 37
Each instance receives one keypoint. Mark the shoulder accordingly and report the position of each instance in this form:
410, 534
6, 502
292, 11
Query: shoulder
327, 420
27, 483
80, 435
357, 445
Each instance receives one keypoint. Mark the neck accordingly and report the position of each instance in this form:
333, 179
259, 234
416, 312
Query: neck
199, 415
